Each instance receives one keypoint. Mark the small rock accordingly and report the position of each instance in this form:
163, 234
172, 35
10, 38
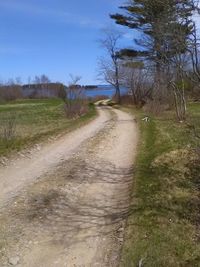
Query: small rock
14, 261
21, 154
121, 235
38, 147
115, 258
121, 240
3, 160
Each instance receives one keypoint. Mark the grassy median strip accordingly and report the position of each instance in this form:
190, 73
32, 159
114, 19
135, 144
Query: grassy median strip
26, 122
163, 228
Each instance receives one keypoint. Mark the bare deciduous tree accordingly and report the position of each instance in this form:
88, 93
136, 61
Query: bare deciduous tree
18, 81
36, 80
75, 104
177, 83
138, 81
194, 56
44, 79
110, 70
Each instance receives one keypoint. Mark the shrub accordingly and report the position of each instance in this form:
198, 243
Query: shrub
155, 107
74, 109
8, 128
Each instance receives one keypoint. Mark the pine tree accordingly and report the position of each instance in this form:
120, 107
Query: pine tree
166, 26
160, 22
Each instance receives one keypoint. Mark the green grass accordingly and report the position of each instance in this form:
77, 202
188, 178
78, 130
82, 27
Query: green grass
163, 228
35, 120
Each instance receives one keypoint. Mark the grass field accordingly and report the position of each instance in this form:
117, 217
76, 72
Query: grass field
29, 121
163, 228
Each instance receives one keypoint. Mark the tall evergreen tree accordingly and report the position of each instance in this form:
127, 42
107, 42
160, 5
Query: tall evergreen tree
166, 26
161, 23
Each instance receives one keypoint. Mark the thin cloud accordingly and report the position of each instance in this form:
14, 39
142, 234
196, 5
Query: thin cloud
6, 49
60, 15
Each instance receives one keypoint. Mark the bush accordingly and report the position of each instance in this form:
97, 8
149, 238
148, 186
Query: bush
126, 100
8, 128
155, 107
75, 103
74, 109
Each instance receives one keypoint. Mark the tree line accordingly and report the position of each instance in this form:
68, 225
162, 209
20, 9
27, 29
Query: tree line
38, 87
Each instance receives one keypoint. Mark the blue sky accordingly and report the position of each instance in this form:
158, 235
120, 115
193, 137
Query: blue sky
55, 37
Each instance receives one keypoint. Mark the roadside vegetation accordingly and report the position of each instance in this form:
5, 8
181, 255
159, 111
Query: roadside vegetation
164, 223
26, 122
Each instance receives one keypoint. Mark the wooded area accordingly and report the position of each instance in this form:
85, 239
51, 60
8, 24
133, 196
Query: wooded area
165, 71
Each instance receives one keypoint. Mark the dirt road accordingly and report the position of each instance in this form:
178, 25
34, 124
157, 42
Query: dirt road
66, 205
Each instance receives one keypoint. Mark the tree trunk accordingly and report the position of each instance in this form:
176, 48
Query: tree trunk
117, 94
117, 87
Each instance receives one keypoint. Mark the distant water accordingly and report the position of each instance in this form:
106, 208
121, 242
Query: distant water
105, 90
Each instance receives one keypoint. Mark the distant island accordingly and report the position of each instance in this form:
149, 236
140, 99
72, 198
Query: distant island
90, 87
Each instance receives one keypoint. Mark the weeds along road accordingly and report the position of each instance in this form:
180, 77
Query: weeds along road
67, 204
